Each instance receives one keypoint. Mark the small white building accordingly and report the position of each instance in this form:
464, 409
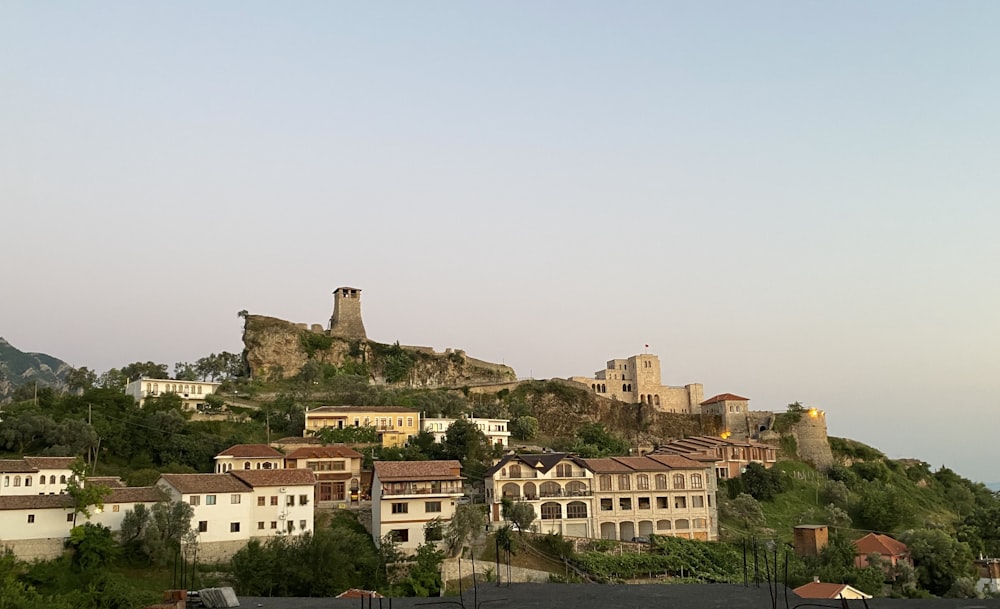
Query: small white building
193, 393
35, 475
497, 431
282, 501
247, 457
406, 495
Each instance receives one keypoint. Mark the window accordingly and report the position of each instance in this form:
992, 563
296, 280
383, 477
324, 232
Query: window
409, 421
662, 503
27, 481
6, 480
607, 505
642, 482
625, 503
261, 501
260, 525
399, 422
678, 480
31, 518
515, 471
662, 525
115, 508
62, 479
680, 503
643, 503
209, 499
69, 517
337, 466
234, 527
234, 499
695, 480
274, 524
624, 483
302, 525
576, 509
400, 535
41, 480
432, 506
290, 500
605, 482
550, 489
274, 500
194, 500
303, 499
551, 511
564, 470
698, 501
17, 480
400, 508
661, 482
682, 524
202, 526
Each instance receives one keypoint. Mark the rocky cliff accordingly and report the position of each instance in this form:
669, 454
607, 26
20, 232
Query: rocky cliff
275, 349
18, 368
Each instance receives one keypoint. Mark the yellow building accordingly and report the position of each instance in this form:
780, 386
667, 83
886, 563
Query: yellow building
395, 425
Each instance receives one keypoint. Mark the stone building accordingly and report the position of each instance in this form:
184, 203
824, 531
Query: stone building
637, 380
734, 410
346, 319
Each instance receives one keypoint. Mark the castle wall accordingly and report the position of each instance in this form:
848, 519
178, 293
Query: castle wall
346, 320
811, 438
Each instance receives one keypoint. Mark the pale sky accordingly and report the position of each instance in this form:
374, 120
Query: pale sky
792, 201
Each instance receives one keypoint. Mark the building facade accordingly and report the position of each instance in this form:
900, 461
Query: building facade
406, 495
35, 475
730, 456
395, 425
337, 470
497, 431
193, 393
636, 380
247, 457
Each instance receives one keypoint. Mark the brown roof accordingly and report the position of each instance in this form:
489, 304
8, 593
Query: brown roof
339, 409
883, 544
324, 452
607, 466
296, 440
388, 471
246, 451
820, 590
356, 593
725, 397
649, 463
16, 466
193, 484
275, 477
24, 502
135, 494
50, 462
108, 481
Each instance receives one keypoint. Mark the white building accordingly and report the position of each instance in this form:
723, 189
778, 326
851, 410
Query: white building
193, 393
35, 475
497, 431
406, 495
248, 456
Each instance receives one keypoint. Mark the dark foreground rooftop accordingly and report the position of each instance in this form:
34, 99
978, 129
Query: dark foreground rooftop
596, 596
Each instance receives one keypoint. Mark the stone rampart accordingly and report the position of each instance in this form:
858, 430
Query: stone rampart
811, 439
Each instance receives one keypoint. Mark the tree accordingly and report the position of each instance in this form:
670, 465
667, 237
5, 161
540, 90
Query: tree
519, 513
747, 510
81, 379
939, 558
184, 371
882, 507
424, 577
170, 522
594, 440
93, 545
84, 495
467, 523
524, 428
761, 483
138, 370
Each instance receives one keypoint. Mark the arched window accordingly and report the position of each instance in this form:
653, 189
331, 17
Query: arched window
695, 480
258, 466
604, 388
511, 490
605, 482
682, 523
564, 470
52, 479
593, 387
515, 471
62, 479
661, 481
6, 480
630, 386
624, 482
663, 525
267, 466
41, 480
551, 489
700, 523
575, 488
530, 491
678, 481
27, 481
656, 400
17, 480
551, 511
576, 509
246, 465
642, 482
624, 387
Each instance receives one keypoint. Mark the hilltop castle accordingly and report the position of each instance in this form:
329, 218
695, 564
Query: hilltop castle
346, 319
636, 380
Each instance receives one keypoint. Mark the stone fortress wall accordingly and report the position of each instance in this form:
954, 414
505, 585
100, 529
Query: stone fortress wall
636, 380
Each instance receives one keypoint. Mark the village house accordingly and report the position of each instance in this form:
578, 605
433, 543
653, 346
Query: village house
890, 551
406, 495
822, 590
497, 431
395, 425
192, 393
731, 456
248, 456
337, 470
35, 475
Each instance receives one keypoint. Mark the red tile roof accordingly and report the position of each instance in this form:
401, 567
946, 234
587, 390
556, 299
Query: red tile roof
356, 593
725, 397
389, 471
275, 477
339, 409
26, 502
193, 484
16, 466
649, 463
247, 451
135, 494
324, 452
883, 544
821, 590
108, 481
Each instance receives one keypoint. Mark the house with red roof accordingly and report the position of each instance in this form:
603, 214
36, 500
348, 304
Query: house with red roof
406, 495
823, 590
337, 469
890, 550
248, 456
730, 456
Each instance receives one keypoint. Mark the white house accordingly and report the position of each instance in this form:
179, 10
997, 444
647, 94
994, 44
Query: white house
406, 495
35, 475
193, 393
248, 456
282, 501
497, 431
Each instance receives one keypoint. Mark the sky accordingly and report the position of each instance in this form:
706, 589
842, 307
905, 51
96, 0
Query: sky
791, 201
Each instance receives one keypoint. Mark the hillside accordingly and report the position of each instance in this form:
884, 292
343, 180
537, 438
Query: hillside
18, 369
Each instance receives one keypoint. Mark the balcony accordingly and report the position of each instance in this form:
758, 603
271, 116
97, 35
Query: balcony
397, 490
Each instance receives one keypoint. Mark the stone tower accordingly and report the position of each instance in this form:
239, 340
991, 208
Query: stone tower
346, 320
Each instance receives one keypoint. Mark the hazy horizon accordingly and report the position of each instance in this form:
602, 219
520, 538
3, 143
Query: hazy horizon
791, 202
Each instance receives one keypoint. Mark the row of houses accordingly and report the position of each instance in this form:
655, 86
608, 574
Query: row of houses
397, 425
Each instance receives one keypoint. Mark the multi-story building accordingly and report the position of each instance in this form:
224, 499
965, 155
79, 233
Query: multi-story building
636, 380
35, 475
193, 393
248, 456
406, 495
395, 425
337, 470
611, 498
497, 431
734, 411
282, 501
729, 455
558, 486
